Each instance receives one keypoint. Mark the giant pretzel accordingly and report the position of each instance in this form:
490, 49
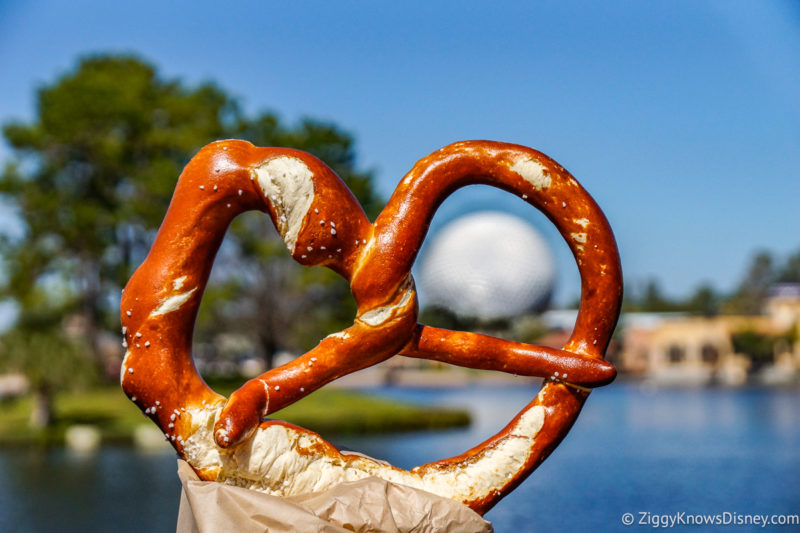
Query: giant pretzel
322, 224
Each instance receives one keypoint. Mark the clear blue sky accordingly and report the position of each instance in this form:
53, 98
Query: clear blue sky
682, 118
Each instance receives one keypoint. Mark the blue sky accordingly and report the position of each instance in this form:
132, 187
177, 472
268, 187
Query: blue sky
680, 117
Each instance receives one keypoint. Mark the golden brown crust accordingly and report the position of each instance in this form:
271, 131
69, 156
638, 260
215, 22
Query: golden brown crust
323, 224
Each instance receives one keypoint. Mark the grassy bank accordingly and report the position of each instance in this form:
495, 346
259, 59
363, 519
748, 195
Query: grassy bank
329, 412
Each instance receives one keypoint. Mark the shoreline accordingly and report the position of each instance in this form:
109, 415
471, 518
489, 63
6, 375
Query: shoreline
103, 415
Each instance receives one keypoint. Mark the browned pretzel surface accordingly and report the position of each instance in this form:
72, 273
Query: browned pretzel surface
323, 224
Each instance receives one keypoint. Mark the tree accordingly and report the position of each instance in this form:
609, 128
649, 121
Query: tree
704, 301
790, 271
91, 179
754, 288
650, 299
653, 299
92, 176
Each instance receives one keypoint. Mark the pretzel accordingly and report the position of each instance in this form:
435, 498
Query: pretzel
228, 440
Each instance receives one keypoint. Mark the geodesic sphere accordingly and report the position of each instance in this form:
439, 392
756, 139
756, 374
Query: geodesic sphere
488, 265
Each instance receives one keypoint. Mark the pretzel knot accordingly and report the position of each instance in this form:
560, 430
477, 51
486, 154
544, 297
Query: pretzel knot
323, 224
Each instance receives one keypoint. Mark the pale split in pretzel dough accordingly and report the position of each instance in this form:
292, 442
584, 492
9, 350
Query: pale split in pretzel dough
287, 182
173, 303
381, 315
283, 461
533, 172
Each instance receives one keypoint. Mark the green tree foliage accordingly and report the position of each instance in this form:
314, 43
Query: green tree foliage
653, 298
91, 178
93, 174
704, 301
761, 347
649, 299
445, 318
762, 273
790, 271
754, 288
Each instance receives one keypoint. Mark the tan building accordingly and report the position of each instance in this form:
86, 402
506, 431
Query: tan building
676, 349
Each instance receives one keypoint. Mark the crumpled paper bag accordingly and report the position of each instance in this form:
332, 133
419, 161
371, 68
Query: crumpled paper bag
368, 505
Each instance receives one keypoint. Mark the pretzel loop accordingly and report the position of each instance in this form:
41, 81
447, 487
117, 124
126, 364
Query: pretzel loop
323, 224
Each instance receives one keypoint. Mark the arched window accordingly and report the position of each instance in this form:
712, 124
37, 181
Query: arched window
676, 354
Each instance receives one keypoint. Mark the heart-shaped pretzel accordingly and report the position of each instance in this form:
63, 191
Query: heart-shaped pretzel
323, 224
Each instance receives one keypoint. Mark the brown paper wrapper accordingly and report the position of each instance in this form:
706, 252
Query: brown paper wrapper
368, 505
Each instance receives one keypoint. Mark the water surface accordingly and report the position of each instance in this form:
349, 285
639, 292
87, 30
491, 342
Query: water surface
631, 450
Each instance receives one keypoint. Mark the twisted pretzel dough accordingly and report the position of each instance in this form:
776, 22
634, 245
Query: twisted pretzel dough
323, 224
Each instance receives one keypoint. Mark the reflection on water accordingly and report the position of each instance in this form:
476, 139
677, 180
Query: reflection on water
117, 489
698, 451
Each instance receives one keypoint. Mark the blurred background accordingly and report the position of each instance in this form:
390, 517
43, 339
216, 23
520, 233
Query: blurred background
680, 118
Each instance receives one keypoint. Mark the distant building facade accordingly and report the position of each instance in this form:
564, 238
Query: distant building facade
675, 349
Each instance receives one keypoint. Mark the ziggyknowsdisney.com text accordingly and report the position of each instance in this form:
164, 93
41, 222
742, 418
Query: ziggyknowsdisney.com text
727, 518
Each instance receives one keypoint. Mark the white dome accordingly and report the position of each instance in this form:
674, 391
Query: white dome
488, 265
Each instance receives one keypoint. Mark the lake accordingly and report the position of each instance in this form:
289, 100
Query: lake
633, 450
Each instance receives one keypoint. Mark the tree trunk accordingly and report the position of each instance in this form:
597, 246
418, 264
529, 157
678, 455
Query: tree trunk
269, 310
42, 410
90, 310
268, 349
